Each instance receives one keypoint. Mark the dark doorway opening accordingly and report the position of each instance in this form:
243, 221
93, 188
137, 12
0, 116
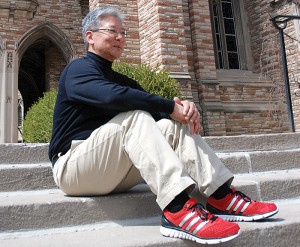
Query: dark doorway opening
32, 74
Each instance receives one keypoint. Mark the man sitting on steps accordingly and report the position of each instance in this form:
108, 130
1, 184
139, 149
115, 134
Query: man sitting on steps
109, 135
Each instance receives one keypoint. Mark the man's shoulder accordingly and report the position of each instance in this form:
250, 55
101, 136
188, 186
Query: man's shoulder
78, 60
78, 63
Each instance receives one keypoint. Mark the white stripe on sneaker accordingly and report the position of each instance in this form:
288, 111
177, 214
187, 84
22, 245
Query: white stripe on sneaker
238, 205
245, 207
199, 227
231, 203
186, 218
193, 222
241, 201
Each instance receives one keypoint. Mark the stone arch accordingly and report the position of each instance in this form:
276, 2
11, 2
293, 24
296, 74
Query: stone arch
38, 51
41, 54
50, 31
37, 43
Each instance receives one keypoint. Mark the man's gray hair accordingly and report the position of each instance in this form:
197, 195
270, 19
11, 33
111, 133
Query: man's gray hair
93, 19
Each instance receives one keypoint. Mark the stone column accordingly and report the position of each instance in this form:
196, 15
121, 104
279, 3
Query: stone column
2, 90
8, 97
162, 34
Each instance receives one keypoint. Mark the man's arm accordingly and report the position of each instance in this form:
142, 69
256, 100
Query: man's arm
87, 84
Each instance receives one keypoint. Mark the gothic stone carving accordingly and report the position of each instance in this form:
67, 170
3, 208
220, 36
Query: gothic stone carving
9, 60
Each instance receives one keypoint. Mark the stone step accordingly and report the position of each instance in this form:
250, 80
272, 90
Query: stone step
51, 208
281, 184
15, 177
39, 175
266, 168
282, 141
259, 161
38, 153
281, 230
23, 153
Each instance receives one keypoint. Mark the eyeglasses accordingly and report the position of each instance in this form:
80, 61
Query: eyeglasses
111, 31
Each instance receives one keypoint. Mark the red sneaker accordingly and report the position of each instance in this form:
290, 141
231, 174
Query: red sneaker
193, 222
238, 207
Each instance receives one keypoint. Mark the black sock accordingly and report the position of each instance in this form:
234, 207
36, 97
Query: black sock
221, 192
178, 202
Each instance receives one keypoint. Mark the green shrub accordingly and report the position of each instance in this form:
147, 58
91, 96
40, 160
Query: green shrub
37, 124
153, 80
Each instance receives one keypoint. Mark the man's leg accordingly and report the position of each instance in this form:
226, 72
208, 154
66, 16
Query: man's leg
104, 163
100, 164
212, 176
199, 160
167, 177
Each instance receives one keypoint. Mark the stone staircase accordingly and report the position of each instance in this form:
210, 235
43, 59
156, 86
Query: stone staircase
33, 212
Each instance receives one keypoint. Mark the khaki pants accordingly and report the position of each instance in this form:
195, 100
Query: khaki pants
133, 148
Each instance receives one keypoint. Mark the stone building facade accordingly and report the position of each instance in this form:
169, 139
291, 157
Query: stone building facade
224, 53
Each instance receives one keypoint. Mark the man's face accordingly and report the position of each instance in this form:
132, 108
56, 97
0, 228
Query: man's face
108, 42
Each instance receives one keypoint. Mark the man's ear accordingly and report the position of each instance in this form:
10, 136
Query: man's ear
89, 37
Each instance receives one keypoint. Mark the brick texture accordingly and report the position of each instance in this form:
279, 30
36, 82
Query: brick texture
176, 35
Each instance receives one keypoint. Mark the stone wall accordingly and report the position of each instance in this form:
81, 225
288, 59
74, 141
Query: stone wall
266, 50
176, 35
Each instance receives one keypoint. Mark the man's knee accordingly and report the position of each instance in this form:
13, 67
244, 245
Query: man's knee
139, 115
166, 124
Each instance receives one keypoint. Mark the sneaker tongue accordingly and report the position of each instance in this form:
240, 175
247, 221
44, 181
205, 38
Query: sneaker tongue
190, 203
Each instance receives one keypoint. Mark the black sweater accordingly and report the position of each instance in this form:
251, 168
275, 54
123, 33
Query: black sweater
90, 94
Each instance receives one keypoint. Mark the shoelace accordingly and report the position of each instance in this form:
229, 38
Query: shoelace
243, 196
203, 214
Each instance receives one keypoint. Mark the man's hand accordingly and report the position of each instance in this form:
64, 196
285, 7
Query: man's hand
186, 112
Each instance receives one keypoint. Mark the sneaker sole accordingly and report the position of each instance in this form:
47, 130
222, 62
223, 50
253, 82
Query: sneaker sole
174, 233
246, 218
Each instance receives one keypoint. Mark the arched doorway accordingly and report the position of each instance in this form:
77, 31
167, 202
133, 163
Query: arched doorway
31, 75
43, 52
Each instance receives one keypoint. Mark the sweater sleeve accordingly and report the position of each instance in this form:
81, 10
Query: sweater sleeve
91, 85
